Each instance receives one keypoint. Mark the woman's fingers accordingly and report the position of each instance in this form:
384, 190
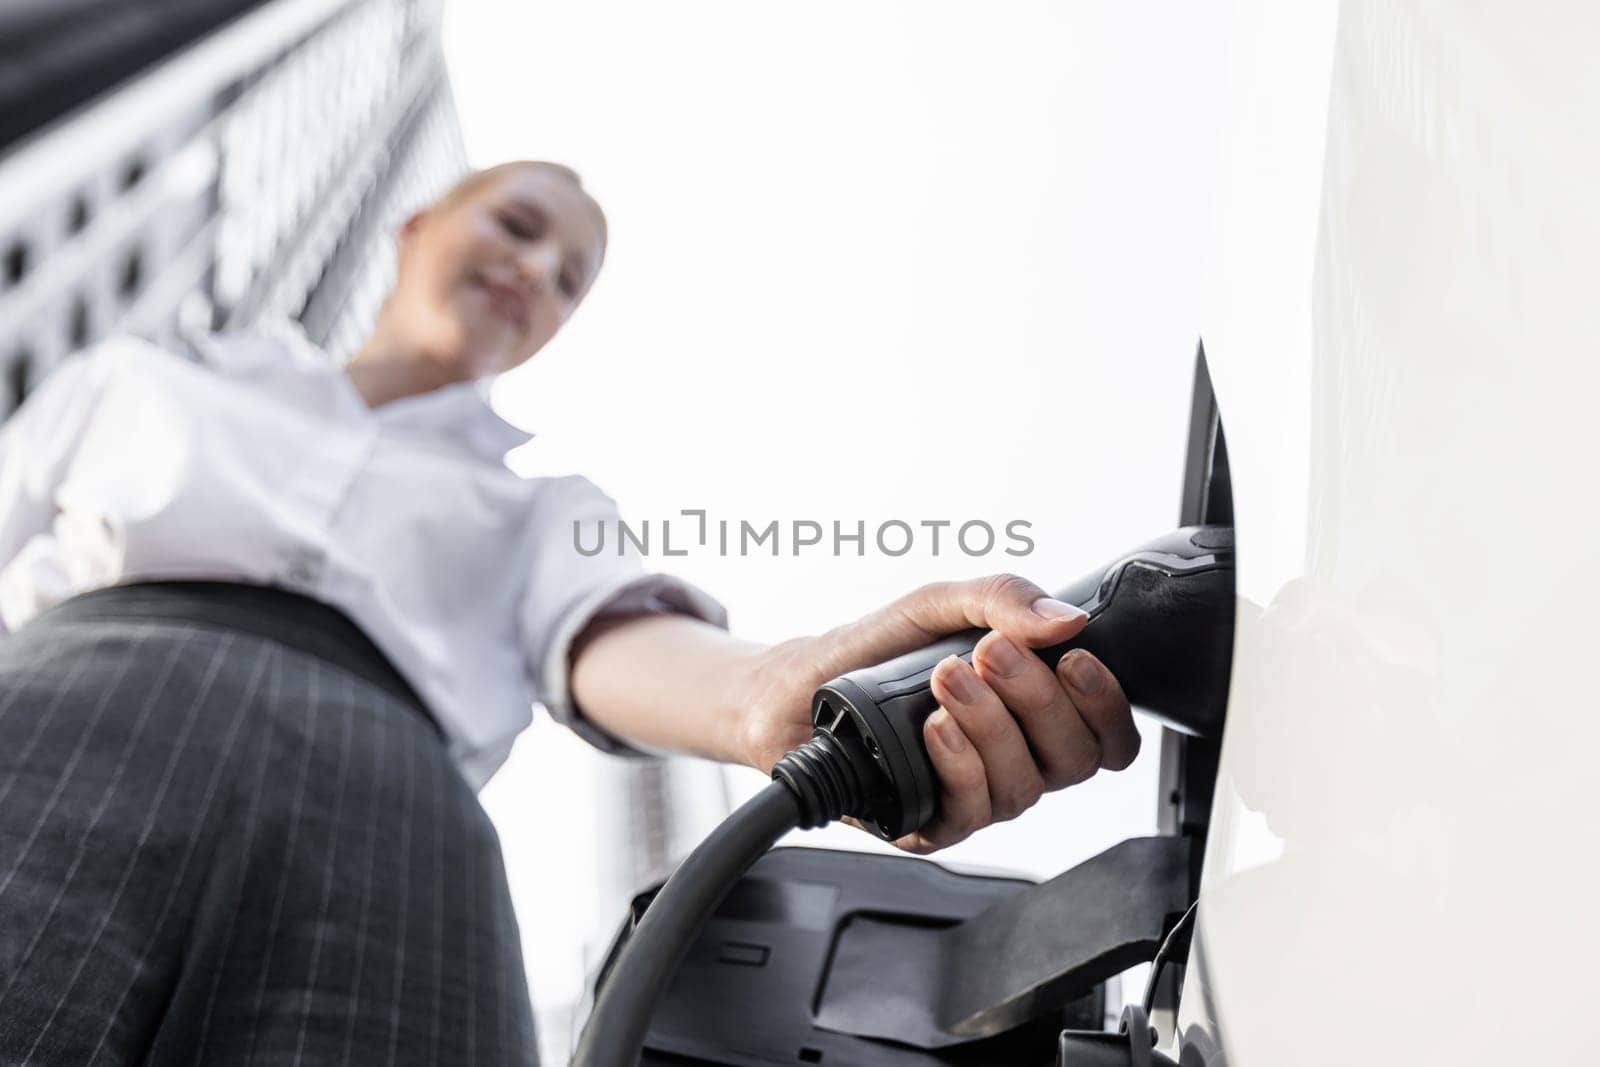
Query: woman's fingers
1066, 749
1104, 708
999, 601
963, 787
1009, 729
1013, 779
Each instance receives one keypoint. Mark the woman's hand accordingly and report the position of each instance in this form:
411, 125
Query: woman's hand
1008, 730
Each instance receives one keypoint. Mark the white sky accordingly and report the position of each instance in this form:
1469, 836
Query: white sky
868, 261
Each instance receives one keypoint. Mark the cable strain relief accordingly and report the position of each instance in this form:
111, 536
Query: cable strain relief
823, 777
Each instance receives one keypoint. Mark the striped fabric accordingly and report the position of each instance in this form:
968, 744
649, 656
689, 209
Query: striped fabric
216, 848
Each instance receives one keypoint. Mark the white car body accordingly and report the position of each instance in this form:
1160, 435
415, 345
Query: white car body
1402, 335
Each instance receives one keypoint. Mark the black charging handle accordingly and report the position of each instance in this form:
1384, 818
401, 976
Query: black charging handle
1160, 619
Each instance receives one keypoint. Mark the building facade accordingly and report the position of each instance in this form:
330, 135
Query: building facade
257, 171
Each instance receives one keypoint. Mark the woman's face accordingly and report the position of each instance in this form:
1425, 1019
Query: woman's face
488, 276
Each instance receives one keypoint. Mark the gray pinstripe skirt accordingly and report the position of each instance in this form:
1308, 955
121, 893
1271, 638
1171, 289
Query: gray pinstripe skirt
229, 835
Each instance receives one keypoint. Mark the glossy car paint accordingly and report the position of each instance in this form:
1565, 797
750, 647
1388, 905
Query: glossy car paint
1402, 329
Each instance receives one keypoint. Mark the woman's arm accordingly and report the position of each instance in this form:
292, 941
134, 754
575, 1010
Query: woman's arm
666, 681
1009, 728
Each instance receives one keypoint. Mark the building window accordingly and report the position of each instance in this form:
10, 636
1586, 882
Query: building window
16, 262
78, 214
78, 329
132, 274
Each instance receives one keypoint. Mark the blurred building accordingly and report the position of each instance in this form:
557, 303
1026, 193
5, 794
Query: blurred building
200, 164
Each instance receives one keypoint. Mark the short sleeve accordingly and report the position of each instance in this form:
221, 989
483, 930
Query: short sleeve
37, 444
582, 569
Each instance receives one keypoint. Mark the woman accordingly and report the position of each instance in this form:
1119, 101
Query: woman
273, 621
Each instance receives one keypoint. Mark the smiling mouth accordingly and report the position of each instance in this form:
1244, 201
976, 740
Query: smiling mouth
506, 301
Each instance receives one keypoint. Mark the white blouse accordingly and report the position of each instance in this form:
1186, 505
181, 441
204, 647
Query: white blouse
266, 465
